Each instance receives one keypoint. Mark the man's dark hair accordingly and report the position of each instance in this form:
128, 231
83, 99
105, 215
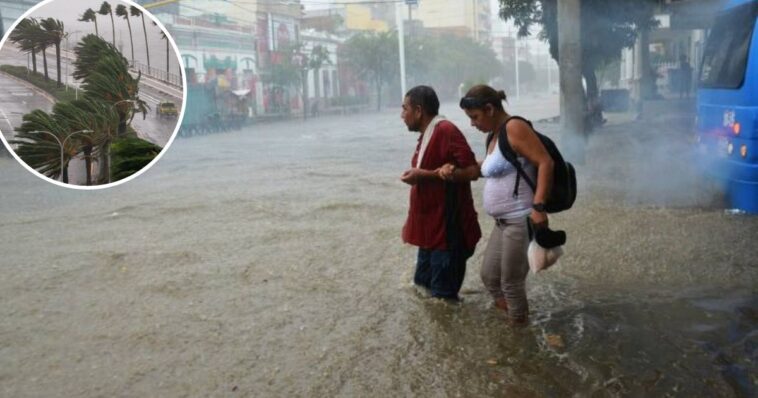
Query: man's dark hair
426, 98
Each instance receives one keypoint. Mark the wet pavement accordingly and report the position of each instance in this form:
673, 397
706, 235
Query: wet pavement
267, 262
15, 101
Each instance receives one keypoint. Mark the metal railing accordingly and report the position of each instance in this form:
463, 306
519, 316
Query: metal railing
162, 75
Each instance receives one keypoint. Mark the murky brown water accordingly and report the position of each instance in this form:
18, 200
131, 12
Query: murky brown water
267, 262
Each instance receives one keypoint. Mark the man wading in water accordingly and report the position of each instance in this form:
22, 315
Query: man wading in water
441, 220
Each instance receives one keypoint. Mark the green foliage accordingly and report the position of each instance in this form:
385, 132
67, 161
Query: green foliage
286, 73
608, 26
319, 57
135, 11
27, 35
131, 155
122, 11
89, 51
90, 16
37, 148
372, 55
444, 62
105, 8
111, 82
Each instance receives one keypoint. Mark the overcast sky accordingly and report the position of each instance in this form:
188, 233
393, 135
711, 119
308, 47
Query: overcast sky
69, 11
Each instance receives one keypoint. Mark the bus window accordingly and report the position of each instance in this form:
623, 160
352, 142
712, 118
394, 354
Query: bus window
726, 51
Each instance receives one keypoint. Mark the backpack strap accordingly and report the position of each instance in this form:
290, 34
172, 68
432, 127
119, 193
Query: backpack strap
512, 157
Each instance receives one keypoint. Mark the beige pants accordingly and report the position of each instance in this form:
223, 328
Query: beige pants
505, 266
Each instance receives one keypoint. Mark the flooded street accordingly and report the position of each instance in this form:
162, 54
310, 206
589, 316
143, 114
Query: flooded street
268, 262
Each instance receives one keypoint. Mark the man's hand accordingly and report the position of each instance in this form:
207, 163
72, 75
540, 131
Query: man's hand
410, 176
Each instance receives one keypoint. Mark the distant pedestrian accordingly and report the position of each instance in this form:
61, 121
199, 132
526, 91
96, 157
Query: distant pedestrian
441, 219
685, 77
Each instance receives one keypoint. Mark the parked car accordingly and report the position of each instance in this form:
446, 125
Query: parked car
167, 109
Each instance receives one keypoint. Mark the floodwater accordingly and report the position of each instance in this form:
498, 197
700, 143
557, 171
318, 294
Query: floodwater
268, 262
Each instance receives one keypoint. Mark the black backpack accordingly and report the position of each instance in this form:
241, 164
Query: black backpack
563, 192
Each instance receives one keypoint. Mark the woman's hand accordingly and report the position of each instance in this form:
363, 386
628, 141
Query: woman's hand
539, 219
446, 171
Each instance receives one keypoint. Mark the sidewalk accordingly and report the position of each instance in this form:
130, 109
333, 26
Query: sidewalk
645, 161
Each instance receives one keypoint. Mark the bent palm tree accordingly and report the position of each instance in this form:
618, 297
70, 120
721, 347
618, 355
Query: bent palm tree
24, 37
122, 12
112, 85
89, 51
168, 49
137, 13
88, 16
105, 9
38, 149
55, 35
86, 115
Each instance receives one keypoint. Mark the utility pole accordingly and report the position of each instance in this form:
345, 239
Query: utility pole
473, 12
515, 57
401, 47
570, 75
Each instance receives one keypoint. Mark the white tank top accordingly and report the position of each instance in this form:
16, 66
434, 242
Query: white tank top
499, 201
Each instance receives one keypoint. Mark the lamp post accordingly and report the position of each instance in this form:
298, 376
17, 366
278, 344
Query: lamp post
68, 48
61, 144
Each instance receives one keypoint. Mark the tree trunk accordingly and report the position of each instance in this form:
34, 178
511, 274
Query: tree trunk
34, 61
88, 163
305, 94
647, 78
44, 62
594, 110
317, 83
58, 61
113, 26
121, 125
147, 48
131, 40
378, 93
572, 93
97, 33
64, 171
105, 163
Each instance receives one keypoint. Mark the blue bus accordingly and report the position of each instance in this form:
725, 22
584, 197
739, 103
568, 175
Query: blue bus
727, 104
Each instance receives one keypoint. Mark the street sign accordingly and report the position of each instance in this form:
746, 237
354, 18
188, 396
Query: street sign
411, 2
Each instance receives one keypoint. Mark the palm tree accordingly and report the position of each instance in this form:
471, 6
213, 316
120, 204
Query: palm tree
100, 119
122, 12
88, 16
137, 13
111, 85
41, 151
23, 36
168, 49
105, 9
55, 34
43, 41
89, 51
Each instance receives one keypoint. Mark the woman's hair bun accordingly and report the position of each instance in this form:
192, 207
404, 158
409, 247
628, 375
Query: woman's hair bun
501, 94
